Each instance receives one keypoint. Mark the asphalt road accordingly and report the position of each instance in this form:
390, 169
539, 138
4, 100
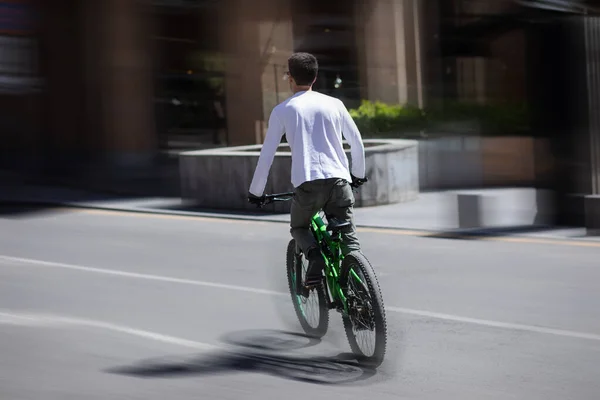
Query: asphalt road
105, 305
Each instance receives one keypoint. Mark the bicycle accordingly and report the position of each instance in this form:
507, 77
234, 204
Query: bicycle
346, 279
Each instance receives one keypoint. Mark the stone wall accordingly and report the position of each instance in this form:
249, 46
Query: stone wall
220, 178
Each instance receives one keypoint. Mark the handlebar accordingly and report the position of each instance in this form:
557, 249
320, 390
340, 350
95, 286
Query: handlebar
271, 198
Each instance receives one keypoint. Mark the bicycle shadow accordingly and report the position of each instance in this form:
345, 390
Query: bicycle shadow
267, 353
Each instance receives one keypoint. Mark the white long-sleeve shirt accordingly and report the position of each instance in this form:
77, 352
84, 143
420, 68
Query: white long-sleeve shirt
315, 125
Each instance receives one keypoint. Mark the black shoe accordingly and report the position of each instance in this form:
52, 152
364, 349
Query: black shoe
316, 265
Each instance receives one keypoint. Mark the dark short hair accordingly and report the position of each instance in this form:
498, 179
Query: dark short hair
303, 68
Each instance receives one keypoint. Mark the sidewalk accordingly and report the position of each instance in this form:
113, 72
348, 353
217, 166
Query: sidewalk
511, 211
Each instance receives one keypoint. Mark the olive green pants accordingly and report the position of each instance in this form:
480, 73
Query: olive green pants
333, 196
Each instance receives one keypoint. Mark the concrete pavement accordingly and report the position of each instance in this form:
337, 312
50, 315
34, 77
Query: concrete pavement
103, 304
514, 211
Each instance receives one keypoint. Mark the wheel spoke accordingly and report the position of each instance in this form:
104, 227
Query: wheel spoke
363, 321
310, 306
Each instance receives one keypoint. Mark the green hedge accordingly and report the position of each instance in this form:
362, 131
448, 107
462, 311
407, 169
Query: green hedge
377, 117
380, 119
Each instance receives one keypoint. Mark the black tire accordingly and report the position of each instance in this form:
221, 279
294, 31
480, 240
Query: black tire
358, 262
293, 264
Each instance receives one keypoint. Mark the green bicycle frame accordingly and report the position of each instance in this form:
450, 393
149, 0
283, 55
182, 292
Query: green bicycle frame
330, 246
331, 249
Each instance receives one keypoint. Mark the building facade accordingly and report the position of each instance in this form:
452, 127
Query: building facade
118, 81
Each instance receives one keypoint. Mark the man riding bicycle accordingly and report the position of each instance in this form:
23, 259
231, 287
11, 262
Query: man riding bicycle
314, 125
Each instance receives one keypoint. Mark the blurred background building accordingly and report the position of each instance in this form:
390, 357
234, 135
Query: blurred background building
91, 88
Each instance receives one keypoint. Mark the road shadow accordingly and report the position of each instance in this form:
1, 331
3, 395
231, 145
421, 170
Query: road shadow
19, 210
267, 352
483, 233
22, 194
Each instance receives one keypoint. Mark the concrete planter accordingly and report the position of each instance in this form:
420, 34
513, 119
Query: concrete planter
220, 178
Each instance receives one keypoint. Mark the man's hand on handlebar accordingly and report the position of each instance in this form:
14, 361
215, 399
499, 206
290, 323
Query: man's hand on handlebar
256, 200
260, 201
356, 182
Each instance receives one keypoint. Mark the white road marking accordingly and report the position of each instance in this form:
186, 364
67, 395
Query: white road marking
496, 324
137, 275
427, 314
45, 320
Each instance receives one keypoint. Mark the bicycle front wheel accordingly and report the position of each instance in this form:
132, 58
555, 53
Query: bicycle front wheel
365, 324
312, 310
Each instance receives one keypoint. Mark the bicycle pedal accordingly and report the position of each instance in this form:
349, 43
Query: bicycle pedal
312, 286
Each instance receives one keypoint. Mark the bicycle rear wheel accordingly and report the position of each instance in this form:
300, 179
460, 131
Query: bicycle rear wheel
312, 311
366, 312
